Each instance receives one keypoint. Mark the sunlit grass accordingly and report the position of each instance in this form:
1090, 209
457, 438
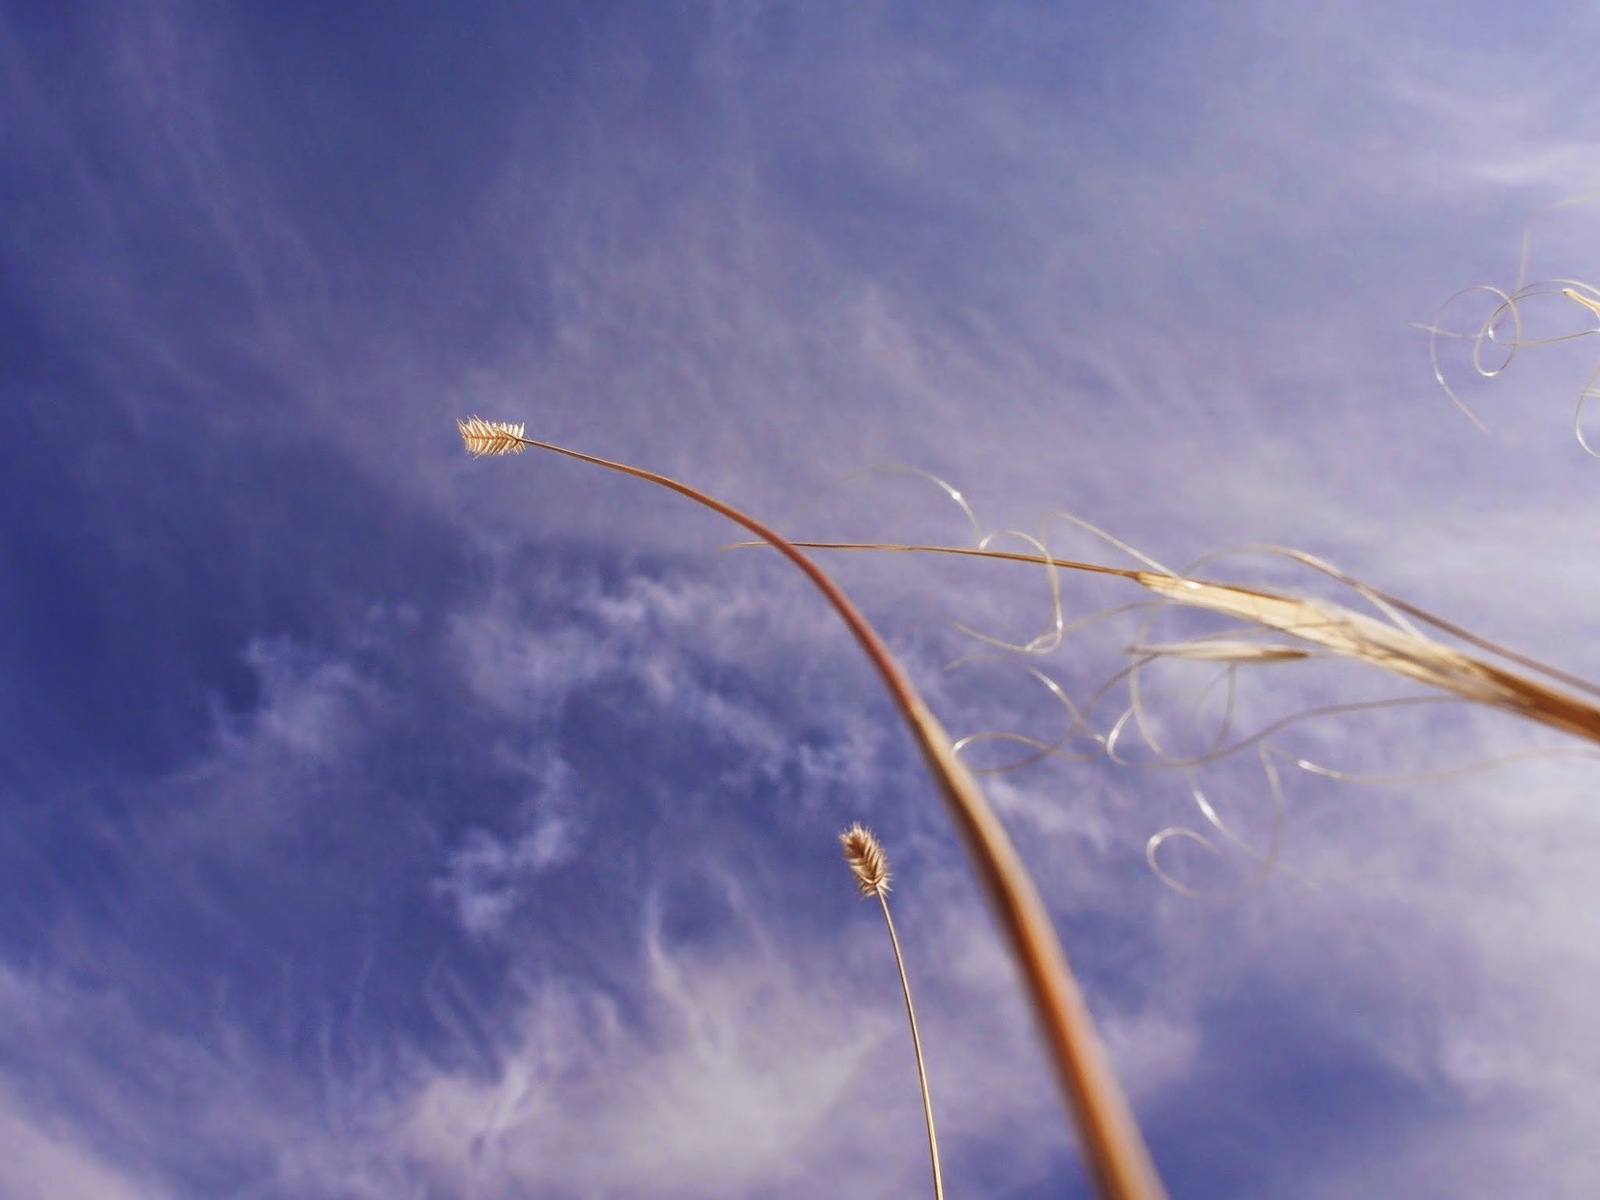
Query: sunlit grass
1114, 1150
1264, 625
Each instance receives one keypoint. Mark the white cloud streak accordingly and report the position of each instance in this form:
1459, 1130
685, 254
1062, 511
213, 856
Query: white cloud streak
1176, 303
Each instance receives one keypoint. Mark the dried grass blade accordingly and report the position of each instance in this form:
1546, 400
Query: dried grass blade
1350, 634
1355, 635
1218, 650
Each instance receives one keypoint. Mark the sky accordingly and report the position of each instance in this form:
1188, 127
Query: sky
383, 822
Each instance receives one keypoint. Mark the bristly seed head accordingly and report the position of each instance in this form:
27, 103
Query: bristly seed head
868, 863
490, 437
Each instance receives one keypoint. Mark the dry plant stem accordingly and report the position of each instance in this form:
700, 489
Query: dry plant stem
1348, 634
1115, 1153
916, 1046
870, 866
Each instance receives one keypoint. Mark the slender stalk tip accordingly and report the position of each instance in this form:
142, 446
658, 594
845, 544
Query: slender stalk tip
868, 863
491, 437
1579, 298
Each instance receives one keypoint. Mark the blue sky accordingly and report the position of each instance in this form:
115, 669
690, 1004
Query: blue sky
386, 823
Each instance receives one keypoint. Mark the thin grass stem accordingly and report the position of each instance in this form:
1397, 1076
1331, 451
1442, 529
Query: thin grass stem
916, 1046
870, 865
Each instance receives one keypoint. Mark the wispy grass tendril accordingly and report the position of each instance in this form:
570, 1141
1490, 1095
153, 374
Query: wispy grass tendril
1503, 332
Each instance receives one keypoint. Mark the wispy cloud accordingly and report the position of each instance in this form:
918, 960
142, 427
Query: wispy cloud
364, 799
39, 1163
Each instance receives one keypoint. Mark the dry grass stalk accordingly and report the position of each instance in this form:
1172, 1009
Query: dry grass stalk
1351, 634
1342, 632
870, 866
1115, 1154
1220, 650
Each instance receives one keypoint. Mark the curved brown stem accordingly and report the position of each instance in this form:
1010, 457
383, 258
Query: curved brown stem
1116, 1156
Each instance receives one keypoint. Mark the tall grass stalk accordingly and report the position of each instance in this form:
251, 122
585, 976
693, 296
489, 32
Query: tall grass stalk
1114, 1150
1516, 684
870, 866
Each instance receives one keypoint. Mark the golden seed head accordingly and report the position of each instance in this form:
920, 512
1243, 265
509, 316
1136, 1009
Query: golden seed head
868, 863
490, 437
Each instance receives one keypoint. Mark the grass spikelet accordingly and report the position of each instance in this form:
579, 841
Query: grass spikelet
491, 437
870, 865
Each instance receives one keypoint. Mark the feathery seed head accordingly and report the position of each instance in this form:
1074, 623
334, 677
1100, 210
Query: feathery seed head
868, 863
490, 437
